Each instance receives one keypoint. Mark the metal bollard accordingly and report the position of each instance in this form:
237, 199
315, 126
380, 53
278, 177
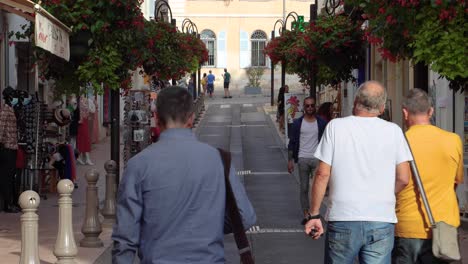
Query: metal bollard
65, 247
109, 203
91, 228
29, 202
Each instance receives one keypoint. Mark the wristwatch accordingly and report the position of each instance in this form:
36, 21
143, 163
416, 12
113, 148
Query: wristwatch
310, 217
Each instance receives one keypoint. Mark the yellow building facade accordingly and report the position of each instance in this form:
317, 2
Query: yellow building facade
236, 31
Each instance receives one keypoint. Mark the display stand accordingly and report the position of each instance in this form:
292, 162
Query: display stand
137, 134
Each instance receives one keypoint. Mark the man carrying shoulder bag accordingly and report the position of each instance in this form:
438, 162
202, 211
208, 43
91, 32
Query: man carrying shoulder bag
427, 209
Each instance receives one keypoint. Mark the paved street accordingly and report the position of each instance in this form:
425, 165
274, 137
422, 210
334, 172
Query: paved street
245, 126
260, 158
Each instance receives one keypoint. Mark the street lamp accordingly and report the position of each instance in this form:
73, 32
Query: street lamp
188, 27
313, 77
294, 16
161, 10
280, 22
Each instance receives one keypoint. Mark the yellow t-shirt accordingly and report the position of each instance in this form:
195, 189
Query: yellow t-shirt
439, 157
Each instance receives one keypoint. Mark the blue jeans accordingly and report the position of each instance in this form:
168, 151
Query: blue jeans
370, 242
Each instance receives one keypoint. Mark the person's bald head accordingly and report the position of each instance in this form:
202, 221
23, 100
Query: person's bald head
371, 97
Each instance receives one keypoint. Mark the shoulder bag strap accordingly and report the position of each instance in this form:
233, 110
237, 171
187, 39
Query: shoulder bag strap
231, 205
418, 181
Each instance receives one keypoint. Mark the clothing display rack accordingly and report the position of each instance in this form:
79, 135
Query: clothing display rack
137, 130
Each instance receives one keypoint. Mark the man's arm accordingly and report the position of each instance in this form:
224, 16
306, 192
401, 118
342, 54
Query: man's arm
319, 187
245, 207
314, 226
291, 148
126, 233
403, 173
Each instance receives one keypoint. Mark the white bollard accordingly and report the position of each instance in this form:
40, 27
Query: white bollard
29, 202
91, 226
111, 189
65, 247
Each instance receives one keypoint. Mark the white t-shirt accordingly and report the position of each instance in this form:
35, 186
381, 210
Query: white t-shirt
363, 153
308, 139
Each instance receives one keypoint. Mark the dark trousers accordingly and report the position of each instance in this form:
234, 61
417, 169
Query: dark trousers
414, 251
7, 176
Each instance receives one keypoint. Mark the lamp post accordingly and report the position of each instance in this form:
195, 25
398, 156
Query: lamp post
161, 10
294, 16
280, 22
313, 77
188, 27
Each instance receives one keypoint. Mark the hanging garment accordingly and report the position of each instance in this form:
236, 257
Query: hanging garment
83, 140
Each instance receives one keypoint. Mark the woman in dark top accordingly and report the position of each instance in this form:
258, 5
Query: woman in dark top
282, 91
325, 111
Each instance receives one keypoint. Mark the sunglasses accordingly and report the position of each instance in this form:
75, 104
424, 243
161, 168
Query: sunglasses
309, 105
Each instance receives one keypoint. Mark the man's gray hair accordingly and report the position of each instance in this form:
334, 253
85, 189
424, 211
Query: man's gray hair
417, 101
369, 99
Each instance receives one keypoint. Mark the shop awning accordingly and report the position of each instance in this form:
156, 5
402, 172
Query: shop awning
50, 33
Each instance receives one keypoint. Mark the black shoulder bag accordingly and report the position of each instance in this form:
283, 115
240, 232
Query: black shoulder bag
233, 211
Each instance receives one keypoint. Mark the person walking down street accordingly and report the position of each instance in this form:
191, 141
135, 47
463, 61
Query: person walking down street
364, 161
191, 85
305, 135
204, 81
282, 91
439, 157
171, 201
210, 83
227, 80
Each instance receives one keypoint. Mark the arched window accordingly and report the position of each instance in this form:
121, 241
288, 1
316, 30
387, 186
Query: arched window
209, 38
258, 39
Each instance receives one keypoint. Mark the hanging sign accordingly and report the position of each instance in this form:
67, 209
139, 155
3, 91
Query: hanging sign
51, 37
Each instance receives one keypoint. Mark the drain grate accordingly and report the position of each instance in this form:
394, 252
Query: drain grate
258, 230
244, 172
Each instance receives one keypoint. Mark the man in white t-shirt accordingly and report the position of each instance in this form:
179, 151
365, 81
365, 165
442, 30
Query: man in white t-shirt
305, 135
364, 161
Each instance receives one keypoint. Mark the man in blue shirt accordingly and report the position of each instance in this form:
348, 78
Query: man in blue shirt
171, 201
210, 83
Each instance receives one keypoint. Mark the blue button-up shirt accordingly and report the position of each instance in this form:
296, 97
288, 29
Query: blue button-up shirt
171, 203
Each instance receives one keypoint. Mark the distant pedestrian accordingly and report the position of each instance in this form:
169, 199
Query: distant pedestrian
282, 91
210, 83
191, 85
439, 157
325, 111
227, 80
306, 132
204, 82
364, 161
171, 201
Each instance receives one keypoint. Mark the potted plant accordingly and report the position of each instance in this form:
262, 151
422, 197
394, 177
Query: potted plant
254, 74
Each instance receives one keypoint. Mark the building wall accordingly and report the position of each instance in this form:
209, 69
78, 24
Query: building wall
233, 21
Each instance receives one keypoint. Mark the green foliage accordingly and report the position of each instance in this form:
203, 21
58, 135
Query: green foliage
101, 66
444, 46
432, 32
255, 75
334, 44
111, 40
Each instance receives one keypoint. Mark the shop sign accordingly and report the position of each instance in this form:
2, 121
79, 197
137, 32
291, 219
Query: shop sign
51, 37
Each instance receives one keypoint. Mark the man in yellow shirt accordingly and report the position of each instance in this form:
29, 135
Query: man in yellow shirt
439, 157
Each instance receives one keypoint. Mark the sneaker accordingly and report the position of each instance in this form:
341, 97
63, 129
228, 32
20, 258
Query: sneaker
80, 161
229, 96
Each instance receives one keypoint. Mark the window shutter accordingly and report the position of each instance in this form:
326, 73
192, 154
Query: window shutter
268, 61
221, 51
244, 50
